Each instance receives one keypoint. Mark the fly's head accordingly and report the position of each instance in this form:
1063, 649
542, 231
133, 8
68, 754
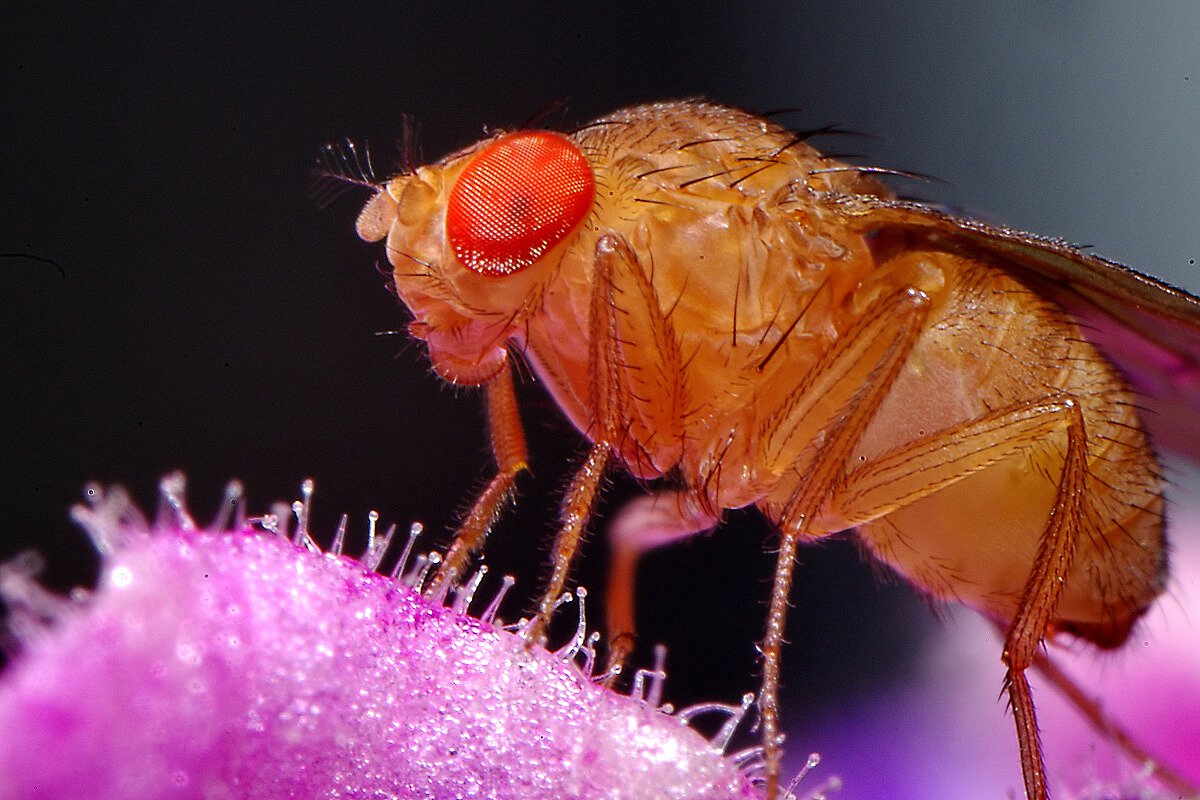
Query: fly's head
472, 241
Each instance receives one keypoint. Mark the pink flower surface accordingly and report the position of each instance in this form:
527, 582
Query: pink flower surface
239, 664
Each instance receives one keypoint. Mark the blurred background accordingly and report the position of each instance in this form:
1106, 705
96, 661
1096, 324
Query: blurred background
173, 299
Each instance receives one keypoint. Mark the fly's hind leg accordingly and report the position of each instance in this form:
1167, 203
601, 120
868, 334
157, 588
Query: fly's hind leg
508, 446
1041, 596
920, 468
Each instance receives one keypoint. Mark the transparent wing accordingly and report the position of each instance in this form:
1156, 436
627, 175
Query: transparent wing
1150, 330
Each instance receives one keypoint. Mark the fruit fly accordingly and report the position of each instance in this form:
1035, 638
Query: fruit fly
712, 301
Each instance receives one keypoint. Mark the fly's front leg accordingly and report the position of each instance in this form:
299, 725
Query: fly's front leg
613, 261
508, 446
838, 398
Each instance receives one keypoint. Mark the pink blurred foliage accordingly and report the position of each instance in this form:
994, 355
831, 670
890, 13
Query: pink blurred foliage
948, 734
233, 664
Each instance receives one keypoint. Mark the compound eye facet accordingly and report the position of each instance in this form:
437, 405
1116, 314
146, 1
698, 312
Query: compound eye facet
519, 196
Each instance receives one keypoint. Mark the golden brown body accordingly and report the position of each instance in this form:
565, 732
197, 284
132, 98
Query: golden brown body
752, 258
718, 316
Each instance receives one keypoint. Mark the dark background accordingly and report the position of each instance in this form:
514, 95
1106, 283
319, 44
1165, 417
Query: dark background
201, 313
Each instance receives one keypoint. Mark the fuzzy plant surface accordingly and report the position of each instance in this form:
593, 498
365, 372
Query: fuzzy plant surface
241, 661
236, 662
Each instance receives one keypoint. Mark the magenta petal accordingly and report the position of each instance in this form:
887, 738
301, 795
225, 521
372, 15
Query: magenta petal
240, 665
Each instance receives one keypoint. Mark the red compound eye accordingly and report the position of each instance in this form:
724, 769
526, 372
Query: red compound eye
517, 198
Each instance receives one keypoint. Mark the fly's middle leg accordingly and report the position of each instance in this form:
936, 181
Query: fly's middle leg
838, 398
